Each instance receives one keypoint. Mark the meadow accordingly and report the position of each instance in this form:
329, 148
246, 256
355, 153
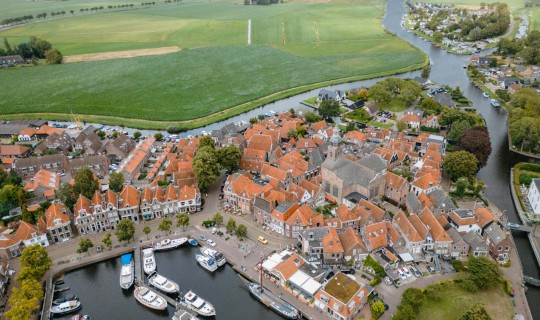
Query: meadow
295, 47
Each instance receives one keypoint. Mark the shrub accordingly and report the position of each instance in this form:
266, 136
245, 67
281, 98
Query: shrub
457, 265
469, 285
434, 292
508, 286
375, 281
379, 270
507, 264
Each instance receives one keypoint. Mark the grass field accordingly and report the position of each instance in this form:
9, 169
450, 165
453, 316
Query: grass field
535, 22
296, 47
456, 301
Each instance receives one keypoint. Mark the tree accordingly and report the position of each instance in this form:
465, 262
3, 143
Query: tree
380, 93
413, 297
377, 309
66, 195
438, 36
458, 128
206, 141
53, 56
35, 262
106, 241
165, 225
503, 94
206, 167
483, 272
147, 231
253, 120
292, 111
101, 134
116, 181
460, 164
426, 70
137, 135
312, 117
85, 183
241, 231
12, 196
231, 225
182, 220
229, 157
158, 136
363, 94
430, 106
401, 125
461, 186
476, 312
125, 230
476, 141
329, 108
40, 47
218, 218
405, 312
24, 300
84, 245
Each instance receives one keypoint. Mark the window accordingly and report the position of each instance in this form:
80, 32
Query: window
335, 191
499, 248
327, 187
507, 249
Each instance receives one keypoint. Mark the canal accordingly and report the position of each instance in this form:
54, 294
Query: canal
98, 287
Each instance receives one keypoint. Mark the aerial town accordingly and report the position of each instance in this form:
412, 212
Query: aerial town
283, 166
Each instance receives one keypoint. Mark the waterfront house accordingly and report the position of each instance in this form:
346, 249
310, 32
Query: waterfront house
10, 247
30, 235
189, 200
128, 203
463, 220
84, 221
105, 210
477, 245
341, 297
57, 222
533, 195
336, 95
151, 203
499, 242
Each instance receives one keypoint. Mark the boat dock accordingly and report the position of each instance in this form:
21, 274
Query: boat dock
138, 265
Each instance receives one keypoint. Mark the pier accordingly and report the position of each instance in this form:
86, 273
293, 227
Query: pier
532, 281
139, 276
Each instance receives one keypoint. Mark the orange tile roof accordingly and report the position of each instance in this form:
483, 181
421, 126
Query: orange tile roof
376, 212
406, 227
130, 197
410, 118
345, 214
355, 136
187, 193
147, 195
301, 216
171, 194
435, 228
45, 129
426, 181
331, 242
284, 216
349, 239
319, 126
111, 197
288, 267
433, 155
424, 200
483, 216
25, 230
27, 132
261, 142
462, 221
419, 226
12, 150
310, 187
47, 179
293, 162
82, 204
97, 199
274, 172
395, 181
305, 144
55, 211
377, 235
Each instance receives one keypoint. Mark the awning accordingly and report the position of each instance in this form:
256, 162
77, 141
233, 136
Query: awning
406, 257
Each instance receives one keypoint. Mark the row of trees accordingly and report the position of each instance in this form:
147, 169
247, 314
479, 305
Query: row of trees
524, 120
24, 299
35, 48
527, 48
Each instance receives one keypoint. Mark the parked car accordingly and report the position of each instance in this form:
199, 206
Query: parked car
202, 237
431, 269
262, 240
211, 242
416, 272
387, 280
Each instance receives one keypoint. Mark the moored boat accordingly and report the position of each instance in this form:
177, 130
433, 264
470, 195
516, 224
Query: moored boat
149, 261
150, 298
495, 103
183, 315
216, 255
80, 317
193, 242
65, 299
273, 302
206, 262
127, 273
163, 284
199, 305
66, 307
167, 244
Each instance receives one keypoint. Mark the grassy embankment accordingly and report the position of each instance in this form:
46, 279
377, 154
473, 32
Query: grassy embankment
523, 173
296, 47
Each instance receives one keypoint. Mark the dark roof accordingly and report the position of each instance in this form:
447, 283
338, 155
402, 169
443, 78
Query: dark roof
444, 99
262, 204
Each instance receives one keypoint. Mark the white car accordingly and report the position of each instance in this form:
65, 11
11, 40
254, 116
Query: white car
211, 242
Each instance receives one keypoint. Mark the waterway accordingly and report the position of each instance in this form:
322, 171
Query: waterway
102, 298
225, 290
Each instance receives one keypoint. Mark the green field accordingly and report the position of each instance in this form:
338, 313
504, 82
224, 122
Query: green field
296, 47
535, 22
456, 301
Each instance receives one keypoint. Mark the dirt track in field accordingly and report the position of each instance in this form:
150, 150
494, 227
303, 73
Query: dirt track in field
119, 54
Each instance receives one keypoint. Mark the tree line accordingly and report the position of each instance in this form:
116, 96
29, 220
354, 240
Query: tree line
527, 49
34, 49
524, 120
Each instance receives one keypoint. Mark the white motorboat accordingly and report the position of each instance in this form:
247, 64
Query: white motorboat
167, 244
149, 261
163, 284
66, 307
199, 305
127, 273
206, 262
150, 298
183, 315
65, 299
216, 255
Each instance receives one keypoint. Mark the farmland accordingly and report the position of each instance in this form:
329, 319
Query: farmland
295, 47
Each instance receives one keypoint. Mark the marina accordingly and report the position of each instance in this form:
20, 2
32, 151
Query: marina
149, 261
127, 272
168, 244
163, 284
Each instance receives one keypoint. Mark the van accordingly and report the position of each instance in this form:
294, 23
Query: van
262, 240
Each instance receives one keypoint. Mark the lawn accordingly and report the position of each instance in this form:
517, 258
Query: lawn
296, 47
394, 105
535, 25
359, 115
456, 301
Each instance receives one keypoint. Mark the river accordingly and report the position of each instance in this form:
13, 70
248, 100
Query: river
224, 289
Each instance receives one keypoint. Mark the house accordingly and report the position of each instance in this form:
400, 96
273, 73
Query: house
61, 142
477, 245
10, 247
431, 121
342, 177
413, 241
29, 166
105, 210
44, 185
280, 216
189, 199
396, 188
312, 246
98, 164
11, 60
240, 190
128, 203
14, 151
444, 99
424, 83
120, 147
27, 134
57, 223
355, 137
463, 220
354, 247
325, 94
499, 242
514, 87
84, 220
507, 81
424, 184
333, 252
533, 195
413, 117
459, 249
131, 166
341, 297
485, 61
437, 240
30, 235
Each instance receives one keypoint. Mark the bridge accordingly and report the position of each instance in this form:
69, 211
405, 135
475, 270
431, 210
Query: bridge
518, 227
532, 281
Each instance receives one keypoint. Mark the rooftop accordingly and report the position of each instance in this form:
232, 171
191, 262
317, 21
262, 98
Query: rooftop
342, 287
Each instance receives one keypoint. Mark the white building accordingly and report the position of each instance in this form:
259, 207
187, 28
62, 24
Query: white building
534, 195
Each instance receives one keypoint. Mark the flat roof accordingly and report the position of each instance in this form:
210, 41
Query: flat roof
304, 282
342, 287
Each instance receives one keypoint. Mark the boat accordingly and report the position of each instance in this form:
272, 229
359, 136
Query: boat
80, 317
206, 262
216, 255
495, 103
127, 273
59, 282
193, 242
60, 289
199, 305
149, 261
163, 284
150, 298
66, 307
65, 299
269, 299
485, 94
167, 244
183, 315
